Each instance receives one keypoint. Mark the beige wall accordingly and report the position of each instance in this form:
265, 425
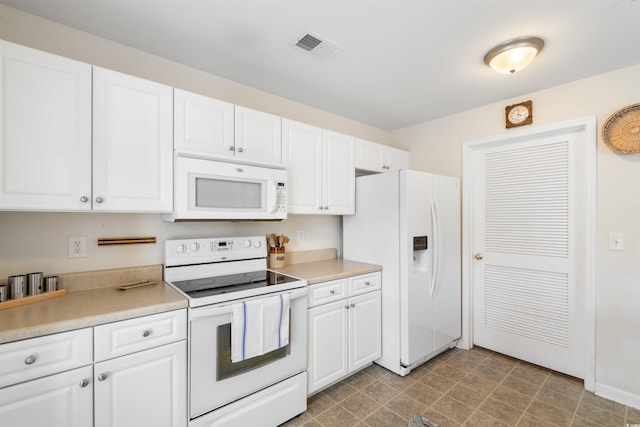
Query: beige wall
38, 241
436, 146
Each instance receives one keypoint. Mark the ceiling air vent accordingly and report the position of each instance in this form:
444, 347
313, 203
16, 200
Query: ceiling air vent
316, 45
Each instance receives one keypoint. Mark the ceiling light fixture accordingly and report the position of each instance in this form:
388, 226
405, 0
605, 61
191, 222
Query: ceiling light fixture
513, 55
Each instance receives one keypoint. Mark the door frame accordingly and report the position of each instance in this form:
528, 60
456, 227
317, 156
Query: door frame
587, 126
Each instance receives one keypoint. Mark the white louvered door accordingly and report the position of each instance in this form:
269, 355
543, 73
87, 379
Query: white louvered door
528, 271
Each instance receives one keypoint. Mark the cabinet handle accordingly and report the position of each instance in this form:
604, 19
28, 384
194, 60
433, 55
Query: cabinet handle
99, 199
352, 305
232, 148
30, 360
102, 377
84, 383
239, 150
367, 283
84, 199
347, 307
332, 291
146, 333
326, 208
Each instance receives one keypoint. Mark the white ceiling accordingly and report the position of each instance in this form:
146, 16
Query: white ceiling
404, 61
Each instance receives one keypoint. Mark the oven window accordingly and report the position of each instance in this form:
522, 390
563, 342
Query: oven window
225, 194
228, 369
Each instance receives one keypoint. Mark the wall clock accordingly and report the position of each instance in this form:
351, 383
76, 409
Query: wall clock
519, 114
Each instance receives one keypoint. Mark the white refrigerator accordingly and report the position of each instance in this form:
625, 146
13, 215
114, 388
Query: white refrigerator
409, 223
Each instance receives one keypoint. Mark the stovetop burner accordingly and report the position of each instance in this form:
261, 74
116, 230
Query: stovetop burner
208, 286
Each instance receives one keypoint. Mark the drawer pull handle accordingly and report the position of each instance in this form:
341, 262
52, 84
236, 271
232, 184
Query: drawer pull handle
367, 283
84, 383
146, 333
102, 377
30, 360
347, 307
332, 291
352, 305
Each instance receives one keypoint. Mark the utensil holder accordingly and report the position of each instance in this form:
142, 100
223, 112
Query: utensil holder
276, 257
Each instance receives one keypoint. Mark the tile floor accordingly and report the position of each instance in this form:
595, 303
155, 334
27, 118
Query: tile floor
463, 388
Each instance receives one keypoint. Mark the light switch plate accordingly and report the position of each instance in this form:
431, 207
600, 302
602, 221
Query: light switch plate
616, 241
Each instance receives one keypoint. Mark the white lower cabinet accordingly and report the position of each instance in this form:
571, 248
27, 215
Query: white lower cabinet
64, 399
147, 388
344, 321
53, 380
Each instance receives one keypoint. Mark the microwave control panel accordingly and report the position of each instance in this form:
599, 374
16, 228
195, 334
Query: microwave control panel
281, 197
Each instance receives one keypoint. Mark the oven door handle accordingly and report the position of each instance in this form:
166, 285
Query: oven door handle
227, 308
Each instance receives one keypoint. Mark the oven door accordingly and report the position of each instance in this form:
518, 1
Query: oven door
215, 380
208, 189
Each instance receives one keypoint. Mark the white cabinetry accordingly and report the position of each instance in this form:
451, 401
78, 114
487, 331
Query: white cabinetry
378, 157
45, 130
64, 399
132, 143
321, 168
70, 143
35, 390
147, 383
258, 135
344, 322
139, 376
202, 125
210, 127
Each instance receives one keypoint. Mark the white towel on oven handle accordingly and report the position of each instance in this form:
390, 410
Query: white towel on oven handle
259, 326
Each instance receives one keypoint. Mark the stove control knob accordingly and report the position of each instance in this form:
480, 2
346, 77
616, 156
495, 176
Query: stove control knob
195, 247
181, 249
247, 243
257, 243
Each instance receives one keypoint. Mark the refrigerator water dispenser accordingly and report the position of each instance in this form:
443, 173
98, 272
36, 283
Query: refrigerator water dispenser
420, 259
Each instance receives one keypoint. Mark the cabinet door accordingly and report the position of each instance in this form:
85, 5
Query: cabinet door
148, 388
45, 131
132, 143
339, 190
370, 156
328, 344
64, 399
202, 124
302, 145
397, 159
365, 342
258, 135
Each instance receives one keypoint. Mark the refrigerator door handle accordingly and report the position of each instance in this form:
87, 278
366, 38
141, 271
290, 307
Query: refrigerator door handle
437, 247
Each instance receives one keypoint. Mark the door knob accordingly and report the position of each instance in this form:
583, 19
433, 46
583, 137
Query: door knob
478, 256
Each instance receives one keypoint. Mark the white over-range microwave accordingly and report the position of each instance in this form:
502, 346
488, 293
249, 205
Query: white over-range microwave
206, 189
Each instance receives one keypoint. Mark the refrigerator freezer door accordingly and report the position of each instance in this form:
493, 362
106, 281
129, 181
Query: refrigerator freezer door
417, 322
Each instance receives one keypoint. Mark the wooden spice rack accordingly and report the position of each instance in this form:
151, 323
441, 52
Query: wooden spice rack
31, 299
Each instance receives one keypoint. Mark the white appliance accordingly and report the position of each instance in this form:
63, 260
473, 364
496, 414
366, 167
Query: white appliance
409, 222
215, 275
209, 189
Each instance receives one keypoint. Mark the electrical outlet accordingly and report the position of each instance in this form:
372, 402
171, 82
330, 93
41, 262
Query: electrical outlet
300, 235
616, 241
77, 246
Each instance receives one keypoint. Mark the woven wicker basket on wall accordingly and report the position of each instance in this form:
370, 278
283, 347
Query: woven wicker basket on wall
621, 131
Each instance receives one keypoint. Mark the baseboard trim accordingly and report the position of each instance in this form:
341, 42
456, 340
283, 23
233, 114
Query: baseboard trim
618, 395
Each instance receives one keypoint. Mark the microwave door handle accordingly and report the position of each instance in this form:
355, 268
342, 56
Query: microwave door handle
272, 196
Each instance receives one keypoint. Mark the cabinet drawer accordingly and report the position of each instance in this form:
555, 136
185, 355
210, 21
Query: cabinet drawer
128, 336
37, 357
364, 283
325, 292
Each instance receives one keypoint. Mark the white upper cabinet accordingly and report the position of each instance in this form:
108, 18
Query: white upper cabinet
374, 157
258, 136
339, 189
132, 143
321, 169
210, 127
45, 131
202, 124
70, 144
